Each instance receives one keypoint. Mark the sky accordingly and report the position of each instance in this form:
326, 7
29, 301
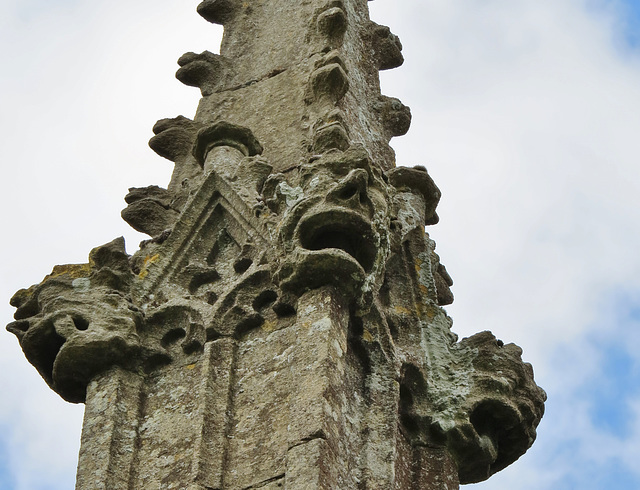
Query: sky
526, 114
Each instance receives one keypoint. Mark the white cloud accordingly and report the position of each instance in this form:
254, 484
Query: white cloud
531, 140
81, 86
526, 115
524, 112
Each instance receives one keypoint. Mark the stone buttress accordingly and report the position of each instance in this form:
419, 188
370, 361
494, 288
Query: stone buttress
283, 325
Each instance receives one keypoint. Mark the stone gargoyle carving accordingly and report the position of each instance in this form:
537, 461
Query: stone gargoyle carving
79, 321
238, 248
345, 223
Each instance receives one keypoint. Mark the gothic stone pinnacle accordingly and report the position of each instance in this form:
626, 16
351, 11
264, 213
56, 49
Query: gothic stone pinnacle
283, 326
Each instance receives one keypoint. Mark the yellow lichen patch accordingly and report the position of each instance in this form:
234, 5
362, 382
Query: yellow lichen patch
72, 270
401, 310
191, 366
306, 325
22, 296
269, 326
424, 289
418, 265
431, 312
419, 309
366, 336
148, 260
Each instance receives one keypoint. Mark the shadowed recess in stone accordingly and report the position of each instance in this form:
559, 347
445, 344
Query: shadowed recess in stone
342, 231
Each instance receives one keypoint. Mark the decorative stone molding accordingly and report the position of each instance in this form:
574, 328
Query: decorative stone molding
283, 327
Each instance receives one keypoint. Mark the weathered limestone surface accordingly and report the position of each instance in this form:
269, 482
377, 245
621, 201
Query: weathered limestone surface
283, 325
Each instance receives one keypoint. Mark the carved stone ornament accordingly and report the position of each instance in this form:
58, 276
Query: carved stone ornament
283, 325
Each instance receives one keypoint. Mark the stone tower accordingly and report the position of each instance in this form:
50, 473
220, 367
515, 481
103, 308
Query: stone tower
283, 326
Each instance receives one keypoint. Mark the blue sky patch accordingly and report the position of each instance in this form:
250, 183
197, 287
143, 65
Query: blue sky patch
631, 10
613, 476
619, 381
6, 476
628, 19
